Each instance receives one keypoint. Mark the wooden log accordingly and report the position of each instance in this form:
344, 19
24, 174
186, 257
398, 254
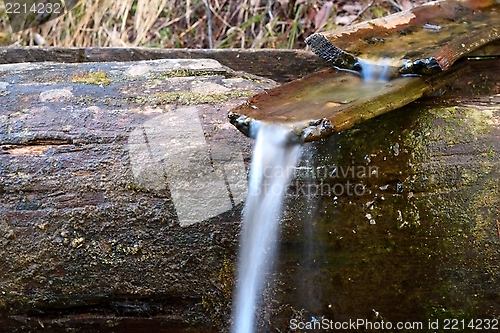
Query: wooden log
96, 237
121, 186
397, 218
279, 65
422, 40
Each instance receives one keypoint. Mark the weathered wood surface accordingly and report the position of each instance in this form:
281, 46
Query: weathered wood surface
279, 65
120, 191
420, 239
423, 40
97, 159
330, 101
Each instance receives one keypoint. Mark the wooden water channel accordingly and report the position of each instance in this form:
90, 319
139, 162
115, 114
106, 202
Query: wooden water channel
416, 49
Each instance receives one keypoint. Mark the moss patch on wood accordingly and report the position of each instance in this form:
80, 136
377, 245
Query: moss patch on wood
217, 302
188, 98
97, 77
189, 72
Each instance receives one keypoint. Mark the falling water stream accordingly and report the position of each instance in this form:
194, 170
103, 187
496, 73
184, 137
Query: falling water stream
274, 160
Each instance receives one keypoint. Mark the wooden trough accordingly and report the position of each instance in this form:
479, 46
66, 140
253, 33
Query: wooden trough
121, 189
92, 240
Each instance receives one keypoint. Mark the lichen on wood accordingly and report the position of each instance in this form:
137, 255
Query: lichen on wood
97, 77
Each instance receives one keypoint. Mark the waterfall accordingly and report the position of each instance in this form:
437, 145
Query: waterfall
274, 161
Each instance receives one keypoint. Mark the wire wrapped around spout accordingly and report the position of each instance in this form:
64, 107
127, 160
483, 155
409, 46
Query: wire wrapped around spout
303, 131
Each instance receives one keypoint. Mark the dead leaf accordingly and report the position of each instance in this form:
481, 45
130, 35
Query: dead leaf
352, 9
343, 20
406, 4
311, 14
323, 14
284, 3
498, 228
393, 22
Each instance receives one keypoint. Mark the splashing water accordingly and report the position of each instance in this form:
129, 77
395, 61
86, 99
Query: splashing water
274, 159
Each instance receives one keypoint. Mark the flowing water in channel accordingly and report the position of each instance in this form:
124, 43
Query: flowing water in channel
274, 159
376, 71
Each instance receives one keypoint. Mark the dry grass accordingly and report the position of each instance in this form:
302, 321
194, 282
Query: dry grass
197, 23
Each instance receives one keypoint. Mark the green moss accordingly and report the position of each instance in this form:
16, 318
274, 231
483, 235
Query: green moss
217, 302
459, 124
186, 73
491, 155
52, 79
189, 98
86, 100
444, 313
251, 78
226, 277
437, 238
98, 77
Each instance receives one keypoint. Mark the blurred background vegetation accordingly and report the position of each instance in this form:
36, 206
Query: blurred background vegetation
197, 23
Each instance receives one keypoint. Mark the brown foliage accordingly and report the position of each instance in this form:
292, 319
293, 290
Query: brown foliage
197, 23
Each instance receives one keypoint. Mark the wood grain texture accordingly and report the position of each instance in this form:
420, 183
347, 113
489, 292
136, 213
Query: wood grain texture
279, 65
